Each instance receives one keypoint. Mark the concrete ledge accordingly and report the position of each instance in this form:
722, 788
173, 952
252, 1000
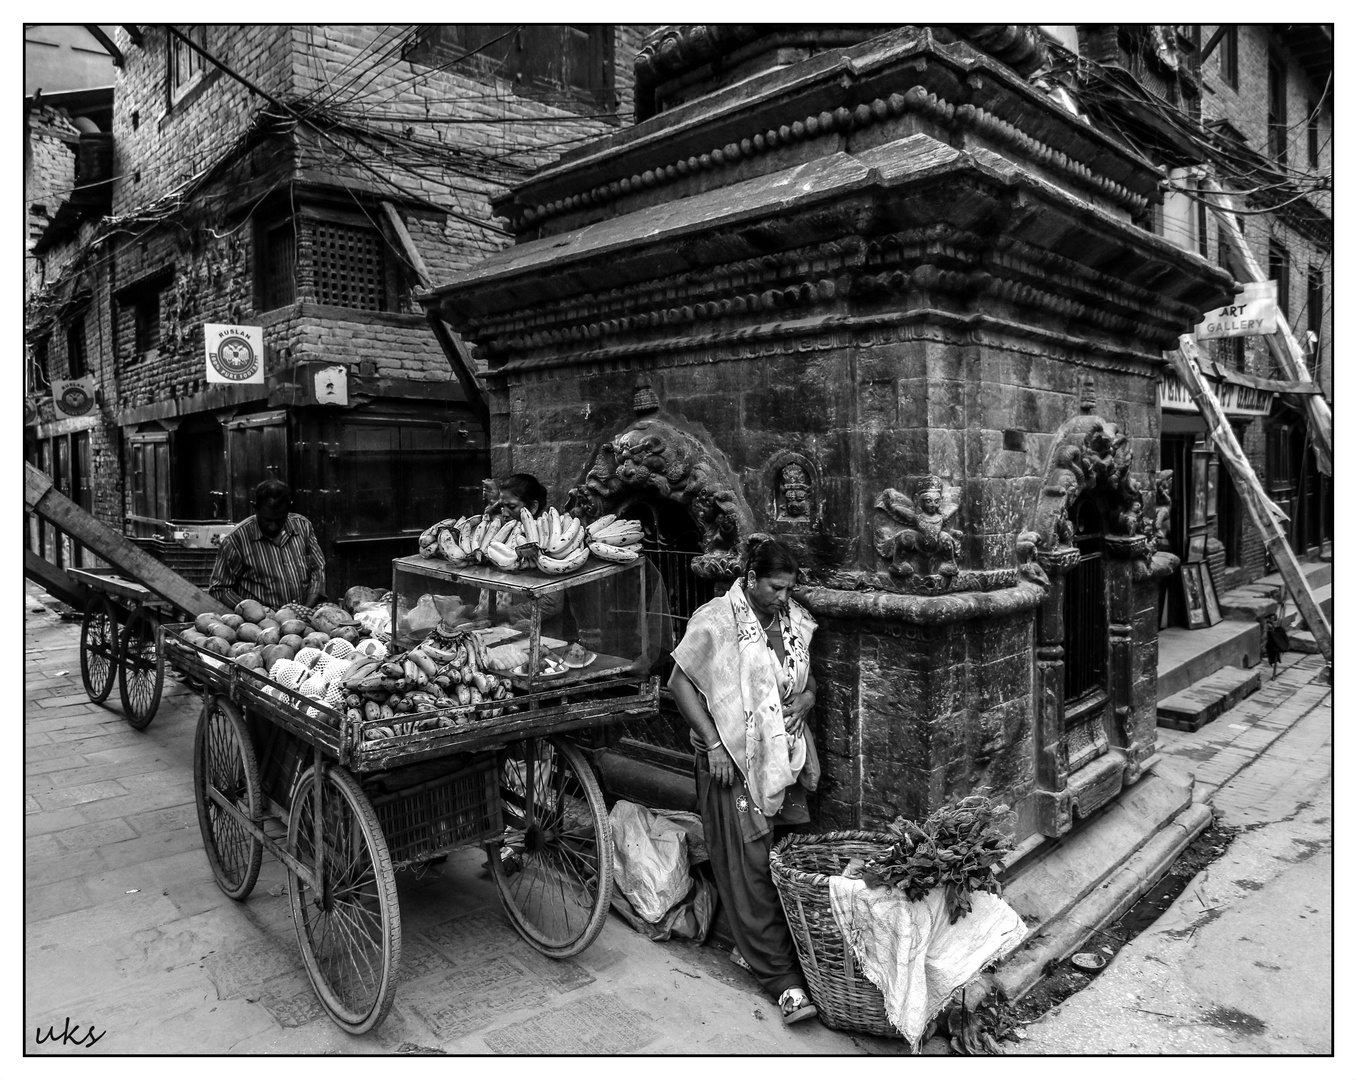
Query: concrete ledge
1202, 702
1188, 656
1112, 899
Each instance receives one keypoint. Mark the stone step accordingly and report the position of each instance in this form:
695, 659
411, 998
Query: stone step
1203, 701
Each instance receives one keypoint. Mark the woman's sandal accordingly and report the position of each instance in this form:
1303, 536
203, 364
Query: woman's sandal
796, 1005
739, 961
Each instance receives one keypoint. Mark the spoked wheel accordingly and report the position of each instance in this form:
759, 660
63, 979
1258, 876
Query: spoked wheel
99, 648
224, 764
349, 929
141, 669
554, 867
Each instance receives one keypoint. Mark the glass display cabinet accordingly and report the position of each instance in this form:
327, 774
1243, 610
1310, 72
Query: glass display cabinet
605, 621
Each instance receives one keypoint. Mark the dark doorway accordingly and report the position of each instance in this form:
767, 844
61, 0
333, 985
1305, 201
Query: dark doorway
200, 470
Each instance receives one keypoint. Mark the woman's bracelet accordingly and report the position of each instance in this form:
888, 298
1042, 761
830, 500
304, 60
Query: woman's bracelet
717, 745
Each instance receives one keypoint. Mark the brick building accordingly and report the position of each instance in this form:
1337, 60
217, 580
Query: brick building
1250, 106
308, 180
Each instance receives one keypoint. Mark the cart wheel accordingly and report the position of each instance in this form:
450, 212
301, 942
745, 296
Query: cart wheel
349, 929
141, 672
99, 647
554, 869
224, 762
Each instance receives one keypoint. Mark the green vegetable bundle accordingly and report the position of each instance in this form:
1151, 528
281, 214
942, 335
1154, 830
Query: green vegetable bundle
958, 848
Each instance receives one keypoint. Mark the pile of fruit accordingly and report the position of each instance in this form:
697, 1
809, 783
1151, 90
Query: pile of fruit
256, 637
443, 672
554, 543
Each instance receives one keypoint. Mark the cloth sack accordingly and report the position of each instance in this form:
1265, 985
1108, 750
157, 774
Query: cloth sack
910, 951
650, 860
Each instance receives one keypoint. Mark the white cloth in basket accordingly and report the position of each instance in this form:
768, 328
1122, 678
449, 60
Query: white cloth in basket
911, 953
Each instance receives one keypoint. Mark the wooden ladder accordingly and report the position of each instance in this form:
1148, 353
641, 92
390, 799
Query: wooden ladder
1266, 515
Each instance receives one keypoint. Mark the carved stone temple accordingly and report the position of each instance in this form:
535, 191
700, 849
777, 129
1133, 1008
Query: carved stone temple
869, 290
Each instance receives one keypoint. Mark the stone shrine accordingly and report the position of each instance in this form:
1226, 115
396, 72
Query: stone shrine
874, 293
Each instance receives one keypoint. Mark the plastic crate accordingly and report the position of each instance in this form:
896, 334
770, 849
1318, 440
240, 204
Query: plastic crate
451, 811
194, 565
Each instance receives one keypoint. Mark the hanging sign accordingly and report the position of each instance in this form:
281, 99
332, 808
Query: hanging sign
73, 397
1254, 311
235, 354
1236, 399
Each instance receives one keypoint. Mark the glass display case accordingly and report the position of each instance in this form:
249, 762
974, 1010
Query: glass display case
544, 631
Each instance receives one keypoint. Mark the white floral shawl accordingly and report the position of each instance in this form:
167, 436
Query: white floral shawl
726, 656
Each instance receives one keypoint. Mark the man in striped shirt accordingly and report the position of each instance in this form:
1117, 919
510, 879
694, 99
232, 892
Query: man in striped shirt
272, 557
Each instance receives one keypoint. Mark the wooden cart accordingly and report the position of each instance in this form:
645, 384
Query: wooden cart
131, 651
357, 807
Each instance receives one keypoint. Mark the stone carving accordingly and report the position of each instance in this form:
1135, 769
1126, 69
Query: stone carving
655, 457
1158, 530
913, 535
1091, 454
792, 481
793, 492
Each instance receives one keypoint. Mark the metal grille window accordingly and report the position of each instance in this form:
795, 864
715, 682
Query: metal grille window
1085, 607
348, 267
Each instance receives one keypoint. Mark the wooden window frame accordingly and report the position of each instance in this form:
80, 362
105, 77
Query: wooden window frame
177, 86
1312, 134
77, 347
1228, 53
1277, 142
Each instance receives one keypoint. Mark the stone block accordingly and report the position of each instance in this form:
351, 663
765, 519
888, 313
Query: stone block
1203, 701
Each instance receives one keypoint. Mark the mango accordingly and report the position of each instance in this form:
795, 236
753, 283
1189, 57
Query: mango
269, 635
247, 631
286, 614
268, 622
203, 623
316, 640
221, 630
250, 610
217, 645
233, 621
251, 660
240, 648
295, 626
293, 642
273, 653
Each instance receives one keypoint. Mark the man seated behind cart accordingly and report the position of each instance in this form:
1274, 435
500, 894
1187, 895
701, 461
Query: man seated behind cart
272, 556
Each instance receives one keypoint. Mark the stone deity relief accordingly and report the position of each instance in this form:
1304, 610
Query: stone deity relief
793, 492
913, 535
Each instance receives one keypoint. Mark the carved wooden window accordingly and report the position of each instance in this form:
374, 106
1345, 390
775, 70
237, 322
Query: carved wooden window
186, 64
1085, 606
279, 278
348, 267
77, 359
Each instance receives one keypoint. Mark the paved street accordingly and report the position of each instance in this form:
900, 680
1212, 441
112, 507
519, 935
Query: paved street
1242, 962
127, 933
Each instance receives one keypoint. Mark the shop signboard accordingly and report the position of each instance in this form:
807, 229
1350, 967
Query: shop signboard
1253, 311
73, 397
235, 354
1236, 399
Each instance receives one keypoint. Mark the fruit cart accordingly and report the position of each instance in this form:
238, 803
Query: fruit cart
130, 652
362, 796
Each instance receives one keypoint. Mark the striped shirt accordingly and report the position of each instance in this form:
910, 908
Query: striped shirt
288, 568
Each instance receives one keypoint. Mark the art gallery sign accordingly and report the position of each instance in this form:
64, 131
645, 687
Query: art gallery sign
1253, 311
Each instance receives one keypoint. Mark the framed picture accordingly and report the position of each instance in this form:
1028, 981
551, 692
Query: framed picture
1209, 595
1196, 548
1193, 600
1212, 483
1200, 474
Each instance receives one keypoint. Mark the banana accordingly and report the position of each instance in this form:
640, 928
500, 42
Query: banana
530, 526
503, 556
613, 553
567, 565
466, 529
503, 533
599, 524
449, 548
572, 535
624, 531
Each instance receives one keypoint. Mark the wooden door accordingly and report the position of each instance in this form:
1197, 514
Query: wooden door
82, 485
256, 450
149, 481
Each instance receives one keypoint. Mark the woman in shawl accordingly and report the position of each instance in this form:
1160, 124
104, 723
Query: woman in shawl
742, 681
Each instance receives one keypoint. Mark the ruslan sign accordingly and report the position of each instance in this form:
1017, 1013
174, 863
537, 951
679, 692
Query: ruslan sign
1254, 311
235, 354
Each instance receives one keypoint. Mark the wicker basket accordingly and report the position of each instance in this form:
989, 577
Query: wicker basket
801, 867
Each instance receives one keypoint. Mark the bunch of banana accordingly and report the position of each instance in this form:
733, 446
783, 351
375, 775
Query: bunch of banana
615, 539
446, 539
434, 686
561, 541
